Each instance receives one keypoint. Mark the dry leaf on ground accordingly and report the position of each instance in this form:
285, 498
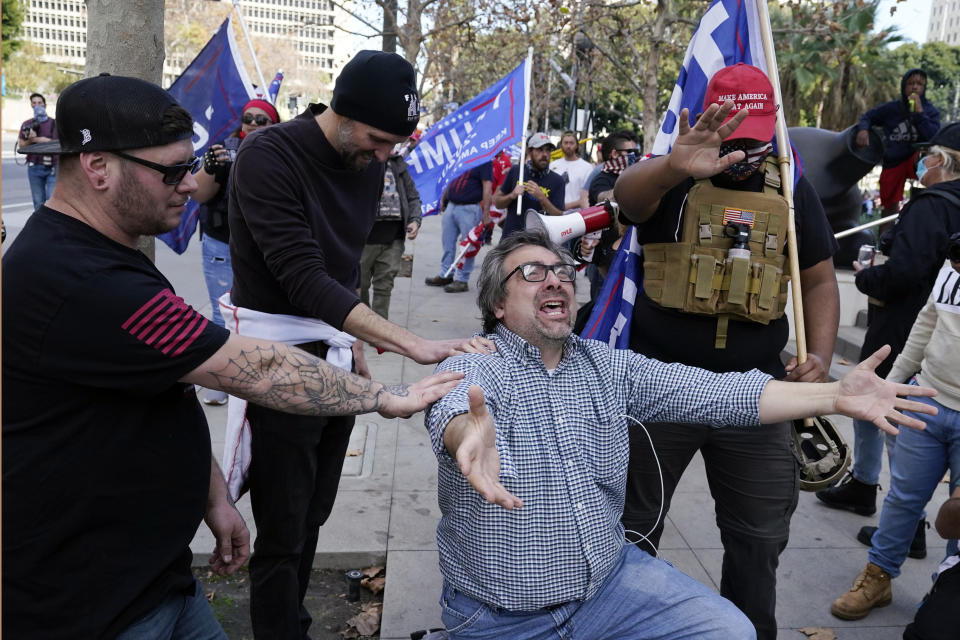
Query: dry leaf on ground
819, 633
367, 622
844, 362
375, 585
372, 572
211, 595
353, 453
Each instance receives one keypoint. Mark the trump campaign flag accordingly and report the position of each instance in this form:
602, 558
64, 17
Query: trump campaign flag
612, 310
470, 136
213, 88
728, 33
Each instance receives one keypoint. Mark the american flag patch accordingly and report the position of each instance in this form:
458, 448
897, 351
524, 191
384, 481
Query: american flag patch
166, 323
741, 216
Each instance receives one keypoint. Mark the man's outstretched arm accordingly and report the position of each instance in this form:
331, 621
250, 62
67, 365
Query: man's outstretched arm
288, 379
860, 394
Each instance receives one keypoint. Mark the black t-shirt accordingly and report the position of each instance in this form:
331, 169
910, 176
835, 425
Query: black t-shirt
671, 335
467, 188
549, 181
299, 219
106, 457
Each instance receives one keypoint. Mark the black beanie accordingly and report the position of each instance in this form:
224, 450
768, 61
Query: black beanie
378, 89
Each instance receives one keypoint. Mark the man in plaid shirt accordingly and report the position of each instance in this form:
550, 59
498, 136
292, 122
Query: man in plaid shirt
533, 455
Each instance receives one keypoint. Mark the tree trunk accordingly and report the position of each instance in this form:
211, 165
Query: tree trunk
125, 38
413, 31
651, 119
390, 8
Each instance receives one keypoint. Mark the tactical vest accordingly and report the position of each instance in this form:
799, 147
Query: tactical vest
696, 275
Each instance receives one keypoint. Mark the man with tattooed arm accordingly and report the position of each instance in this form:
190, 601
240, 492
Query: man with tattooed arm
107, 468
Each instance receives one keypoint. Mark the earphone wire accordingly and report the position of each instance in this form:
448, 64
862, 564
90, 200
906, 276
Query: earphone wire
644, 536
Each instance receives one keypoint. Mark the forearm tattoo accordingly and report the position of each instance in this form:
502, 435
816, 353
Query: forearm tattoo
291, 380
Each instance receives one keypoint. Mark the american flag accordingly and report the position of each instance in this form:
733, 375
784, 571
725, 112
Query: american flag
741, 216
470, 246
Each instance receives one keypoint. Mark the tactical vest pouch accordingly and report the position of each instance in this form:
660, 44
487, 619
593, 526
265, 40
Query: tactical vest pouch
697, 274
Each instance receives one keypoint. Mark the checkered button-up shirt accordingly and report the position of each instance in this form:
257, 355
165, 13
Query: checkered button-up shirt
563, 446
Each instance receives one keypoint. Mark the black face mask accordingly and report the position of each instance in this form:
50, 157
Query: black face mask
755, 155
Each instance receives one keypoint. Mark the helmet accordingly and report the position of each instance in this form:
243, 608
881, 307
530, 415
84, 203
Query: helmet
822, 453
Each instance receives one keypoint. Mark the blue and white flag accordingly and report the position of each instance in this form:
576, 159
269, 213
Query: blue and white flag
612, 310
213, 88
470, 136
728, 33
274, 90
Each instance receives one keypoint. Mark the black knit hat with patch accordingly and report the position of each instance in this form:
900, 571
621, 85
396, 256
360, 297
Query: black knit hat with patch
110, 113
378, 89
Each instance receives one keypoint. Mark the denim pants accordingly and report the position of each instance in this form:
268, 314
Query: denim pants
379, 266
179, 617
919, 461
42, 179
753, 478
642, 598
457, 221
217, 272
868, 443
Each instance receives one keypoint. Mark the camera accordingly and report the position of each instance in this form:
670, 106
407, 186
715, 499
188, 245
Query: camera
953, 248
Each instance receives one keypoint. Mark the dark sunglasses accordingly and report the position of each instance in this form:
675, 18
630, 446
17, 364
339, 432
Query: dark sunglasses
536, 272
260, 119
172, 173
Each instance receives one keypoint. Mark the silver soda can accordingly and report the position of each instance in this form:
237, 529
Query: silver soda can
865, 257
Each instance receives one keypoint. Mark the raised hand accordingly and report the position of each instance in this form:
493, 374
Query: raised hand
474, 446
864, 395
696, 151
404, 400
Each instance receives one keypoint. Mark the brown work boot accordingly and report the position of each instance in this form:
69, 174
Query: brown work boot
871, 589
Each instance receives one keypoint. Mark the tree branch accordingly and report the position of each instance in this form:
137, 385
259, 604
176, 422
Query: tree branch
377, 30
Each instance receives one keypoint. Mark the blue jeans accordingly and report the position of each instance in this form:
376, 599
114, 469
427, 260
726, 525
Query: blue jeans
456, 223
178, 617
218, 273
42, 179
642, 598
868, 443
918, 463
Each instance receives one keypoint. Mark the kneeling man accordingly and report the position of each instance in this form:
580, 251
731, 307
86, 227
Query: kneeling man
533, 456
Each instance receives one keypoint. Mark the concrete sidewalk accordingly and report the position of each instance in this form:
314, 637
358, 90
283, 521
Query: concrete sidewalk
387, 505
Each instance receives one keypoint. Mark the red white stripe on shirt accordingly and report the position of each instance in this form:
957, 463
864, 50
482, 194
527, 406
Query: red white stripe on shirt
166, 323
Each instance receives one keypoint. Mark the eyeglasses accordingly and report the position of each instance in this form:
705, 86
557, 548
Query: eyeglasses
536, 272
172, 173
260, 119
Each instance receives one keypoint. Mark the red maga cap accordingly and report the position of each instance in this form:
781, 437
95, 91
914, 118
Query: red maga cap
749, 88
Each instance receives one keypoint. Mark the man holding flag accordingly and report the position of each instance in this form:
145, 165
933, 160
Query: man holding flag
712, 220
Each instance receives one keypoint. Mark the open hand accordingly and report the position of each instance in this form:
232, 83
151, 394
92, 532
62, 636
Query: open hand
404, 400
696, 151
478, 344
477, 453
865, 396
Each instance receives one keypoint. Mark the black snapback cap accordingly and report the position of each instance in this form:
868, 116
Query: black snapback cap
379, 89
110, 113
948, 136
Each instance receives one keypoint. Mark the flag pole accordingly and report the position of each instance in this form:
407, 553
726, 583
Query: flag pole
526, 121
246, 34
784, 157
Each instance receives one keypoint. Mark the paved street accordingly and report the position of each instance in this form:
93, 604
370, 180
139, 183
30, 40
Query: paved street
387, 505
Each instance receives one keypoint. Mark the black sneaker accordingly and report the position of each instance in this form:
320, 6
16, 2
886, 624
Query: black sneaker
438, 281
852, 495
918, 546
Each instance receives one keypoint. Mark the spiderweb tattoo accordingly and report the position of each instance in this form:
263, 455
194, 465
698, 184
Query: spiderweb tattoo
292, 380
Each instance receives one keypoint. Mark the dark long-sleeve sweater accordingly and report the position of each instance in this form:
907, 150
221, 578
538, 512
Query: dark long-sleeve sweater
902, 126
299, 219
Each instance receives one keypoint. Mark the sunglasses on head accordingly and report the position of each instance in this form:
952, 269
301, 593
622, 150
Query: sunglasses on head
260, 119
172, 173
